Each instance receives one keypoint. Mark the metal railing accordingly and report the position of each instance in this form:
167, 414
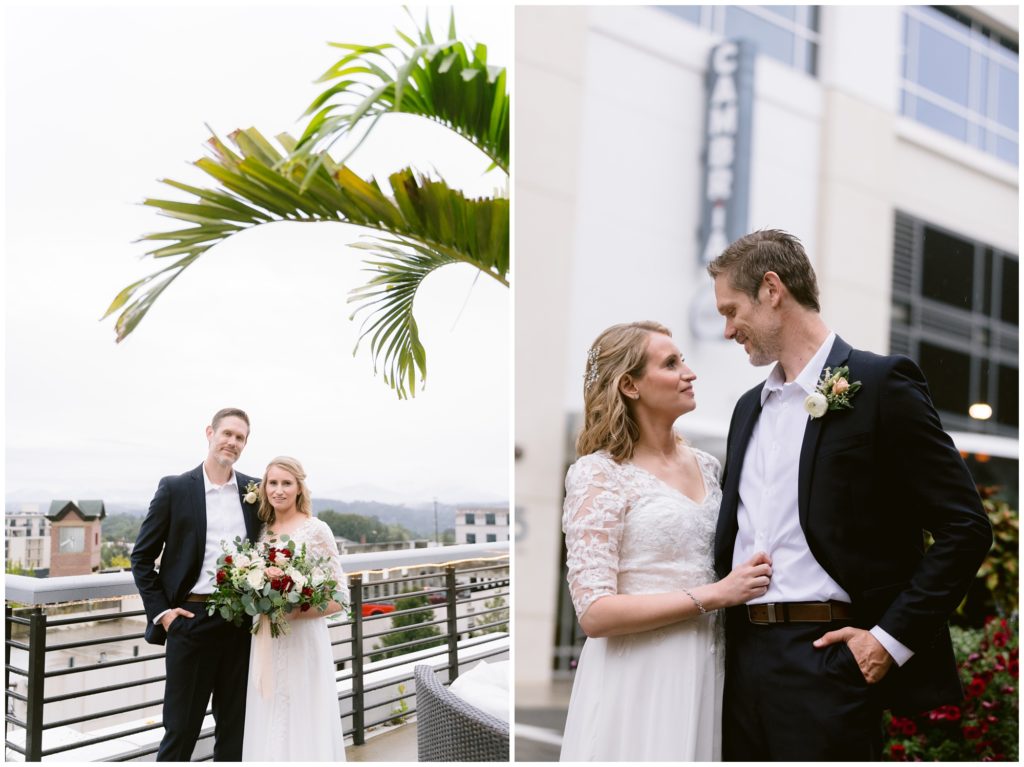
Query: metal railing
462, 601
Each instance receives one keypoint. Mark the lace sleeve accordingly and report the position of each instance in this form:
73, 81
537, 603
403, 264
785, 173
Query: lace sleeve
323, 545
710, 465
592, 519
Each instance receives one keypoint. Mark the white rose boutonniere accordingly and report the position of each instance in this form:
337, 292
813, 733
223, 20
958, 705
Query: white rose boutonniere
252, 492
833, 392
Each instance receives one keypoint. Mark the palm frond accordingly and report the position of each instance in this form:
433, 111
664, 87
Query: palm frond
253, 188
446, 82
387, 300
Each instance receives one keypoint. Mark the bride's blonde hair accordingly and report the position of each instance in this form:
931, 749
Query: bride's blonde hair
303, 503
608, 422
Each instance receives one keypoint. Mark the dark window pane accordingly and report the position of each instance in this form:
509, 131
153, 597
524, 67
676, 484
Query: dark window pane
948, 373
985, 368
986, 298
1011, 298
948, 270
1009, 406
771, 40
689, 12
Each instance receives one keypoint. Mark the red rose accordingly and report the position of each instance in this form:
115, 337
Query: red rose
272, 555
952, 713
976, 687
899, 752
972, 732
304, 607
999, 640
307, 592
287, 553
221, 577
228, 560
909, 728
1014, 668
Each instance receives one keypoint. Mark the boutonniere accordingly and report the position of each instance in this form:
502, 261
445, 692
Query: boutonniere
252, 492
833, 392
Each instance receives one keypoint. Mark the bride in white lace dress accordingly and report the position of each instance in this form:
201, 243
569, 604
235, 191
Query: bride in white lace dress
291, 707
639, 521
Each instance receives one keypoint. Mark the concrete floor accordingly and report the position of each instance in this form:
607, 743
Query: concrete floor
392, 744
540, 720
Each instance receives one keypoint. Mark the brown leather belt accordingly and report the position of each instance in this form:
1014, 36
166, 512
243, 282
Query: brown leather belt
799, 612
197, 597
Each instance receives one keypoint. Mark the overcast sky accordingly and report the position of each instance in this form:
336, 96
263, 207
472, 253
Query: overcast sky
101, 103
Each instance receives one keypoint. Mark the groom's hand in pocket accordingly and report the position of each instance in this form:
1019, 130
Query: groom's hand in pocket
873, 659
172, 615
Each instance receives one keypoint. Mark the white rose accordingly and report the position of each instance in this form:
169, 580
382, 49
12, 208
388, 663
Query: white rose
251, 497
297, 578
318, 576
816, 404
255, 578
241, 560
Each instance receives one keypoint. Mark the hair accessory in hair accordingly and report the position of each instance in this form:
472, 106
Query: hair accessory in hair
591, 374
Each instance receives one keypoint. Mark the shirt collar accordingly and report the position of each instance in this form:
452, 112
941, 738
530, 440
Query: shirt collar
208, 484
808, 378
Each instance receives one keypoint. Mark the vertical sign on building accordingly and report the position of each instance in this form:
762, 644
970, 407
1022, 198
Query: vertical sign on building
725, 187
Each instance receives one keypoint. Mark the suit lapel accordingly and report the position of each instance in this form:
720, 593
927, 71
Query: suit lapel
248, 510
725, 536
198, 498
839, 354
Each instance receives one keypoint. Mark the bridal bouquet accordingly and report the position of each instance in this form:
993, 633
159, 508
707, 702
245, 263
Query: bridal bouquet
256, 579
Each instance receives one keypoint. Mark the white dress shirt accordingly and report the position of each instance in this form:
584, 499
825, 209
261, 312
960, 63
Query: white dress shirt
224, 522
768, 514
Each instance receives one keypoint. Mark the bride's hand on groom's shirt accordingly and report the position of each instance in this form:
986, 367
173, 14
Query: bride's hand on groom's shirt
747, 581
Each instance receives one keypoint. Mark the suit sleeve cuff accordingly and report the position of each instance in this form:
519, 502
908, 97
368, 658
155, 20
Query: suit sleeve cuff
156, 620
899, 652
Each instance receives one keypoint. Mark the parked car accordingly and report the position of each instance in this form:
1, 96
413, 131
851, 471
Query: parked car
377, 608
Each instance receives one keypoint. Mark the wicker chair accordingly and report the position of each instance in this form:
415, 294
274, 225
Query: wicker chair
448, 729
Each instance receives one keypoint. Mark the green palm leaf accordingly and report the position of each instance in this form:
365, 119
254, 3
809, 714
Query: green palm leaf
254, 189
387, 301
445, 82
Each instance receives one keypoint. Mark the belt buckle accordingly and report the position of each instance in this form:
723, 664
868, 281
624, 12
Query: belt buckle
771, 613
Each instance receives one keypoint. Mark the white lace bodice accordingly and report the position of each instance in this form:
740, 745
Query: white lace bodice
320, 543
627, 532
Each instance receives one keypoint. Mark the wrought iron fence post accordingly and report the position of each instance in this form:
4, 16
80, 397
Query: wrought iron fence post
36, 681
355, 583
453, 622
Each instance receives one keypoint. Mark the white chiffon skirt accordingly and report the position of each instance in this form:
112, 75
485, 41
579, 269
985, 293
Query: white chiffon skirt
652, 696
298, 718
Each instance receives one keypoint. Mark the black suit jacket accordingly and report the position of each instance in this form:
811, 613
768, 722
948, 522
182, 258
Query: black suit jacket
176, 525
871, 480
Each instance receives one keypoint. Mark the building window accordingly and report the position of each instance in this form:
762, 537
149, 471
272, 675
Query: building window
787, 33
492, 538
960, 78
955, 311
71, 540
489, 519
470, 537
471, 519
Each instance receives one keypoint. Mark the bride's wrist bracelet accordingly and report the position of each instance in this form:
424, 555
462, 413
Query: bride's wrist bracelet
700, 605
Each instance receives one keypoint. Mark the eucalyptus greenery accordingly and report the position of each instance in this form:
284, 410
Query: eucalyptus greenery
422, 223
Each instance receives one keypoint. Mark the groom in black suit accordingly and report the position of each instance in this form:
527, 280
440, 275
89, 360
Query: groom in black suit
188, 518
855, 617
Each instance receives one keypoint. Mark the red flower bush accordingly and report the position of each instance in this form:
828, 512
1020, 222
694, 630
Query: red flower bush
984, 727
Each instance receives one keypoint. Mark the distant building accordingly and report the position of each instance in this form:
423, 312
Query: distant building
27, 538
75, 537
481, 525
